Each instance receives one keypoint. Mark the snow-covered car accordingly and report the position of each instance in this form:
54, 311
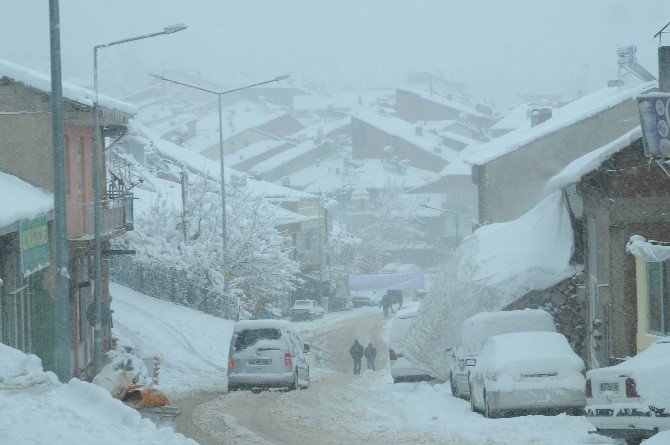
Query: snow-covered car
267, 354
632, 399
527, 371
306, 309
365, 298
402, 368
476, 330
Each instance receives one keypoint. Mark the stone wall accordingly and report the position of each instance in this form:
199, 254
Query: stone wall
568, 309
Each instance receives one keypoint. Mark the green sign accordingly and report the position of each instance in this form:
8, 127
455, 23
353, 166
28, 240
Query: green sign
34, 237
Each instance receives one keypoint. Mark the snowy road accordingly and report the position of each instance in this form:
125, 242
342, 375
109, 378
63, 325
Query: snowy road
341, 408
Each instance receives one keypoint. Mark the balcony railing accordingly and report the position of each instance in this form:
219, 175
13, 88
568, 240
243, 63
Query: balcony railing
116, 216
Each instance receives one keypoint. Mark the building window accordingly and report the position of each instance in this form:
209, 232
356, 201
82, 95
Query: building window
80, 165
68, 177
658, 285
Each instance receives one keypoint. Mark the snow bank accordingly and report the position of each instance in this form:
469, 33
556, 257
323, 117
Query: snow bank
492, 268
193, 346
662, 438
21, 200
37, 409
648, 251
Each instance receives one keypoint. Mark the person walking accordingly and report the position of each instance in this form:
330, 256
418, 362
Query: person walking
356, 352
370, 354
385, 305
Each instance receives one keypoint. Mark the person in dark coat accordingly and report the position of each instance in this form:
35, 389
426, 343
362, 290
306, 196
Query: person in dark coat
385, 305
356, 352
370, 354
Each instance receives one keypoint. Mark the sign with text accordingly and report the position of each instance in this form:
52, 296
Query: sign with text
655, 121
34, 245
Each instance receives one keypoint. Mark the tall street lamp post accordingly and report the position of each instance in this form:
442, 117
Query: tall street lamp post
224, 240
97, 174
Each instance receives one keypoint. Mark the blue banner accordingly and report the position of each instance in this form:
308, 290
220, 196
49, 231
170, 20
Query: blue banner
655, 121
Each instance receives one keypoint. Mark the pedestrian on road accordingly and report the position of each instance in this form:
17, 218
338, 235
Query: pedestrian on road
370, 354
356, 352
385, 305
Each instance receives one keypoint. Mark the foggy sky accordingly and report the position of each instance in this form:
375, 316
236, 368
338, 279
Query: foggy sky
503, 49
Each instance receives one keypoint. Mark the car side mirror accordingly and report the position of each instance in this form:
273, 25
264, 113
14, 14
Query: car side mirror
305, 348
470, 361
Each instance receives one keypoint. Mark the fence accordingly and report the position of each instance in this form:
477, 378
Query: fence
171, 285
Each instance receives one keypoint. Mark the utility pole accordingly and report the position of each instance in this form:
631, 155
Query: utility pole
62, 307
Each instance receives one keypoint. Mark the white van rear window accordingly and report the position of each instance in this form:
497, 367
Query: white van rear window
249, 337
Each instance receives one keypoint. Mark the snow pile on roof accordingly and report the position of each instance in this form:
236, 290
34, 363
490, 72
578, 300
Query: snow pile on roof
492, 268
73, 92
444, 101
193, 346
649, 251
261, 324
570, 114
21, 200
35, 408
311, 102
574, 171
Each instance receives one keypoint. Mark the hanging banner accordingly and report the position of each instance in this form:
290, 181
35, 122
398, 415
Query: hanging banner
34, 245
655, 122
391, 281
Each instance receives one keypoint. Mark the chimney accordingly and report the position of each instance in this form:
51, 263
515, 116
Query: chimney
664, 69
418, 131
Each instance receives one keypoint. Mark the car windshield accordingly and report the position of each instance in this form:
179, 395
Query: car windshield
303, 303
249, 337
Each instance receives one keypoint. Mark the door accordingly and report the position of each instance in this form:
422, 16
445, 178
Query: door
595, 335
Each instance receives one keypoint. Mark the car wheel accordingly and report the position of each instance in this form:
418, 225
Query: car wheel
454, 391
488, 413
472, 400
295, 385
633, 440
307, 385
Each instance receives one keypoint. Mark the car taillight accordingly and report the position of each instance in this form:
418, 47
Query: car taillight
589, 389
631, 389
288, 361
231, 363
393, 355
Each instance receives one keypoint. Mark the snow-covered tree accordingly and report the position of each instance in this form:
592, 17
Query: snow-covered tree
396, 226
261, 270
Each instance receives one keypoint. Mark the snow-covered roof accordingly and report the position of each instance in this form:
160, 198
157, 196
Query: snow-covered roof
261, 324
457, 167
648, 250
252, 150
532, 252
329, 176
21, 200
444, 101
210, 167
572, 113
340, 101
404, 130
573, 172
73, 92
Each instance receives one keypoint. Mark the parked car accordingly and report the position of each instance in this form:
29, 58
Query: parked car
402, 368
365, 298
267, 354
527, 371
632, 399
306, 309
476, 330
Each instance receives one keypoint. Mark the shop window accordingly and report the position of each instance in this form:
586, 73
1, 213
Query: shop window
658, 285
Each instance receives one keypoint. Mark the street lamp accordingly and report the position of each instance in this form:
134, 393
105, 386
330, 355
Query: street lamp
448, 211
97, 173
224, 241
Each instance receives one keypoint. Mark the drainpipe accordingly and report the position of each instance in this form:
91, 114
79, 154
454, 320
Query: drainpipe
664, 69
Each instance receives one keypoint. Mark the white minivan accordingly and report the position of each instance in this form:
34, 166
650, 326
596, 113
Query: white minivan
476, 330
402, 368
267, 354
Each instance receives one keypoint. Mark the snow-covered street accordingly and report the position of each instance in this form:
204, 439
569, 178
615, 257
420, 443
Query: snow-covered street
338, 408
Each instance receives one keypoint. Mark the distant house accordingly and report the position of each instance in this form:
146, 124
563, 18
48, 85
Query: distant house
375, 136
27, 153
416, 105
512, 170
